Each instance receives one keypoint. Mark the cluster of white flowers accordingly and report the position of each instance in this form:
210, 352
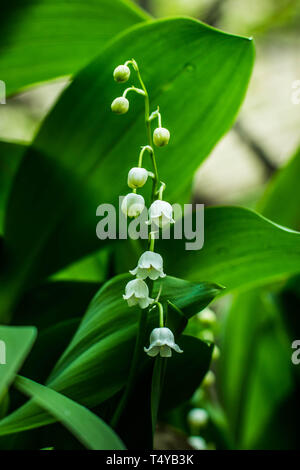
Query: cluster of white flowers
160, 215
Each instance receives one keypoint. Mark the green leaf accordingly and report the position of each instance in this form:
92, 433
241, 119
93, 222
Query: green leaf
101, 350
185, 372
89, 429
256, 364
185, 65
241, 249
281, 201
15, 344
10, 158
63, 35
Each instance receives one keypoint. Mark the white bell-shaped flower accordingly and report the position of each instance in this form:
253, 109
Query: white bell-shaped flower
160, 213
149, 265
137, 177
133, 204
137, 293
162, 342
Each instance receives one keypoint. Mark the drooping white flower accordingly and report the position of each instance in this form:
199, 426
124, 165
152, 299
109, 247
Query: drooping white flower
160, 213
149, 265
162, 342
133, 204
137, 293
137, 177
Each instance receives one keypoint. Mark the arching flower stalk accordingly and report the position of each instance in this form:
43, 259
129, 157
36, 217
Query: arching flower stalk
150, 264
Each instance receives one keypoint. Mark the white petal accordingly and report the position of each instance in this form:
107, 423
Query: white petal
165, 351
142, 273
152, 351
145, 302
177, 348
134, 271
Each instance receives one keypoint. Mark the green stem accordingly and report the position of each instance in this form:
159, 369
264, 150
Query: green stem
149, 135
140, 339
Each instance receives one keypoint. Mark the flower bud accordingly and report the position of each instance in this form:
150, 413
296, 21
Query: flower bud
197, 442
207, 317
137, 177
197, 418
161, 136
120, 105
132, 205
209, 379
121, 73
216, 353
207, 335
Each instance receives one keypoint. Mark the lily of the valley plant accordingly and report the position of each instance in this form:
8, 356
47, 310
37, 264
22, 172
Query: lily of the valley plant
150, 264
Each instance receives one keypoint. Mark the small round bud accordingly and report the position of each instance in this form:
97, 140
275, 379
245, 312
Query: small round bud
121, 73
137, 177
132, 205
197, 442
207, 317
209, 379
207, 335
198, 397
120, 105
161, 136
197, 419
216, 353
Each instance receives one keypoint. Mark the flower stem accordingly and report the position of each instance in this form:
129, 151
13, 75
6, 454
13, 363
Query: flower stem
148, 128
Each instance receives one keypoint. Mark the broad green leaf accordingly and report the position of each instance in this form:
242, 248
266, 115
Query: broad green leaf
256, 357
185, 65
281, 201
89, 429
10, 158
53, 302
101, 350
256, 366
45, 39
185, 371
241, 249
15, 344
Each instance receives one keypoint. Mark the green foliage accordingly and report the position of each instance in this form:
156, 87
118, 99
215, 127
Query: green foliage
101, 350
57, 276
241, 249
186, 82
257, 345
86, 426
18, 342
45, 39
